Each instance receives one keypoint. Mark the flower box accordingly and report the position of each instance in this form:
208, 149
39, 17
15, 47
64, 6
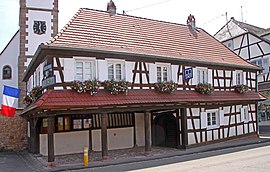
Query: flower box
34, 94
204, 88
88, 86
116, 87
165, 87
241, 88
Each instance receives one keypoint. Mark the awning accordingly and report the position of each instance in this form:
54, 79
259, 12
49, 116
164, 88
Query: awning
67, 99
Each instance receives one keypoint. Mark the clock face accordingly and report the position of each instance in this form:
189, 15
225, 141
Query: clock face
39, 27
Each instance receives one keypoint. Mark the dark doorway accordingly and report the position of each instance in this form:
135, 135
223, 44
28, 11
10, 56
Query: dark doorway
165, 130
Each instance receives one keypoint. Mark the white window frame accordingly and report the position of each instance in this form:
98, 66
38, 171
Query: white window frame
84, 61
216, 113
114, 63
202, 75
162, 66
239, 77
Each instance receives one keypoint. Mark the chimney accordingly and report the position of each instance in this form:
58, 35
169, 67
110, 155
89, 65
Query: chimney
111, 8
191, 21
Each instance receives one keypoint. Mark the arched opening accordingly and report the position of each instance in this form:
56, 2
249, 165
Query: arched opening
165, 130
7, 72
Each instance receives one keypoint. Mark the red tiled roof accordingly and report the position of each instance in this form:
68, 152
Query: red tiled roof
93, 29
59, 99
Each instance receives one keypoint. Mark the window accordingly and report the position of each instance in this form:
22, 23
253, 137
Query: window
84, 70
44, 126
162, 73
239, 77
7, 72
63, 123
264, 63
202, 75
244, 114
80, 122
212, 118
115, 71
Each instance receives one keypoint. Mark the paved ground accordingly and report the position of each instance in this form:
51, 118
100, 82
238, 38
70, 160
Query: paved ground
257, 159
25, 162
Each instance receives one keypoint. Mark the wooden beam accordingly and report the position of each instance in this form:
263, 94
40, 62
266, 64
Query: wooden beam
34, 136
184, 128
104, 139
147, 127
51, 156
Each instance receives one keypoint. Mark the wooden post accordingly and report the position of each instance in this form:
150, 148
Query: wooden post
51, 157
34, 136
90, 139
147, 127
104, 140
184, 127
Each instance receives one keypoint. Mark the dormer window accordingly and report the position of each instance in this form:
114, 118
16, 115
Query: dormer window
7, 72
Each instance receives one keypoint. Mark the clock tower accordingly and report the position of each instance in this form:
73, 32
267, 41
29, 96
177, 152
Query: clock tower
38, 23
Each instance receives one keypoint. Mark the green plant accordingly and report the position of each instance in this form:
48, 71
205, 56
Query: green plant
165, 87
34, 94
91, 86
204, 88
116, 87
241, 88
77, 86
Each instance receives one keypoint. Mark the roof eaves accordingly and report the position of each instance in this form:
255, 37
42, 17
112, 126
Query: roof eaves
9, 42
161, 57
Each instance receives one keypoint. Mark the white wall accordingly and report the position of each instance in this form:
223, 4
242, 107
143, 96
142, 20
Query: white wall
9, 57
34, 40
45, 4
74, 142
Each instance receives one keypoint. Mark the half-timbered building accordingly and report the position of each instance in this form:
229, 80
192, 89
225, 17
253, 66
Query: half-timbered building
102, 46
251, 43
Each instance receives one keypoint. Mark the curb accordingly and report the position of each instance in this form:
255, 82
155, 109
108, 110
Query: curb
157, 157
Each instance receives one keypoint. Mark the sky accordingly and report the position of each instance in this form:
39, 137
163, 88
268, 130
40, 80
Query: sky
209, 14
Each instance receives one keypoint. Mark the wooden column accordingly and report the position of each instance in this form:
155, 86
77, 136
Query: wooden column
51, 156
184, 127
90, 139
34, 136
147, 128
104, 140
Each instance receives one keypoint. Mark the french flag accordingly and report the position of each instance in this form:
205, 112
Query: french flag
10, 100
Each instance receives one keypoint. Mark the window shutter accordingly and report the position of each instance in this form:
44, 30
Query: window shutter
69, 69
244, 78
174, 73
242, 114
129, 67
209, 73
234, 78
102, 70
203, 120
221, 118
195, 76
153, 73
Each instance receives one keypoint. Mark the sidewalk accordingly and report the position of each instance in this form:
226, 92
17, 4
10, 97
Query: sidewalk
75, 161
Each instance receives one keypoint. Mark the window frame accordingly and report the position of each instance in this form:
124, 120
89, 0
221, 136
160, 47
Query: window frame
9, 77
92, 70
162, 66
114, 63
204, 77
239, 81
217, 118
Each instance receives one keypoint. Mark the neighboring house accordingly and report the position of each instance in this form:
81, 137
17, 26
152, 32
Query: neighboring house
252, 44
103, 46
38, 22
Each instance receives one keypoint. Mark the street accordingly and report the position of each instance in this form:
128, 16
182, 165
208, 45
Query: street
235, 159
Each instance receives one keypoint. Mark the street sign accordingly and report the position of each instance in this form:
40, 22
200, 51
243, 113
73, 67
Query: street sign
188, 74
